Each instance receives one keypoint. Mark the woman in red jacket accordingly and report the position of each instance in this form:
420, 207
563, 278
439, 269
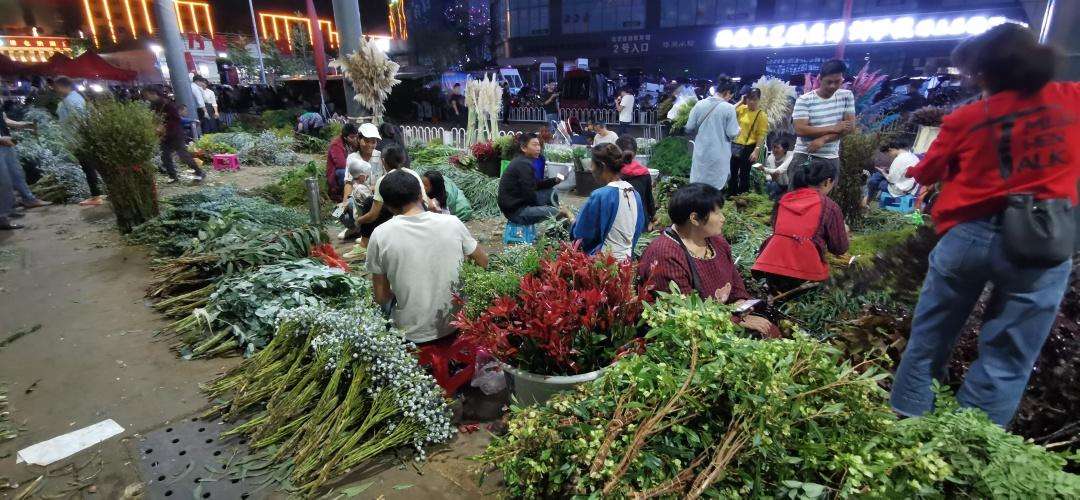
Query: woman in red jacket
1022, 137
806, 224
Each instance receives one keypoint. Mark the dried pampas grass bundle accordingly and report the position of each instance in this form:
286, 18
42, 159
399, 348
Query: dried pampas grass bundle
776, 100
372, 75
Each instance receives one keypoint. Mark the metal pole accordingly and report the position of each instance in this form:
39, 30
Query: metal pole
258, 44
347, 19
313, 201
169, 36
847, 26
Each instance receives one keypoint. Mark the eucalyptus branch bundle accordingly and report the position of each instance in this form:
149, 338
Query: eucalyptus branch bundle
241, 312
705, 412
46, 149
372, 75
119, 139
331, 391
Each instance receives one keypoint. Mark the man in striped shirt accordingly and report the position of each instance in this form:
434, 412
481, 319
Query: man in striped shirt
822, 117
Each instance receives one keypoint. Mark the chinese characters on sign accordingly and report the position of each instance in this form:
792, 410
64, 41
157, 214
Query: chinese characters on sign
678, 44
630, 44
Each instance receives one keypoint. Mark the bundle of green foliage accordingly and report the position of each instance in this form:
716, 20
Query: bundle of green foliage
280, 118
44, 154
682, 114
435, 154
290, 189
119, 140
564, 154
706, 412
747, 223
262, 149
857, 150
242, 311
502, 278
671, 156
481, 191
310, 144
506, 146
184, 217
206, 147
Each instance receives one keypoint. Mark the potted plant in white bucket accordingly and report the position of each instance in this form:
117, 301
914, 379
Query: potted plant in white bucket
567, 322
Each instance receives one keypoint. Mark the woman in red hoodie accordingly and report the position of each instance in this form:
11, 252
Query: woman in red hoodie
1022, 137
637, 175
806, 224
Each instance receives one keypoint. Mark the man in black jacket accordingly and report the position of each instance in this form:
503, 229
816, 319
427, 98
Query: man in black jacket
523, 199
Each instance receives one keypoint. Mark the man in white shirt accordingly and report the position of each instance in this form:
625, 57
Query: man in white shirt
894, 179
209, 124
200, 100
821, 117
414, 259
625, 105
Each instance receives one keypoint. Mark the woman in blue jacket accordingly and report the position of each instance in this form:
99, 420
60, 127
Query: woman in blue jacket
613, 217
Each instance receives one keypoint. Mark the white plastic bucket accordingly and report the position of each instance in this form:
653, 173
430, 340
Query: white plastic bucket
530, 388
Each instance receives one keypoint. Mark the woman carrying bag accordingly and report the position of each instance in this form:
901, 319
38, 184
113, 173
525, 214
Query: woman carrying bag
753, 126
1008, 169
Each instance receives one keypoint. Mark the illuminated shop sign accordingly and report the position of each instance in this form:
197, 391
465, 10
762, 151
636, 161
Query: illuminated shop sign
870, 30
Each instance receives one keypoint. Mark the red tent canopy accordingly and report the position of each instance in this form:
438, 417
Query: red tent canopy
92, 66
52, 66
9, 67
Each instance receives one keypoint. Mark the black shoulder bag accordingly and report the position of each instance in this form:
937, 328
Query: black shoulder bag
1039, 233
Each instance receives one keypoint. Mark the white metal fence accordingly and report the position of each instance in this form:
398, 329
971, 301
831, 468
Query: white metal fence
453, 137
585, 115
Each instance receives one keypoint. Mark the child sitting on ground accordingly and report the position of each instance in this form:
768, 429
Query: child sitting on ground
776, 168
357, 193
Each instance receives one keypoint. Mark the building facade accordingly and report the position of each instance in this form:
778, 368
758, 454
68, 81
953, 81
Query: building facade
701, 38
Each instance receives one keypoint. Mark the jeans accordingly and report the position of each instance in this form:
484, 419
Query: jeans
1022, 307
801, 159
775, 190
547, 206
623, 128
16, 174
7, 191
876, 185
741, 164
552, 120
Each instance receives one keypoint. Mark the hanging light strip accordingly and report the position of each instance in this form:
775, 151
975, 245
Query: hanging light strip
869, 30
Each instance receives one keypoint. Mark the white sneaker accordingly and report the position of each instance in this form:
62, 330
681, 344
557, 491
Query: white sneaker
341, 236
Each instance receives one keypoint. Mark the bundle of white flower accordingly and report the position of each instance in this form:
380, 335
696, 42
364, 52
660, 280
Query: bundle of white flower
484, 99
372, 75
777, 98
334, 389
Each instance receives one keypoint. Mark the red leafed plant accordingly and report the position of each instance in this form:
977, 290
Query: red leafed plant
570, 317
484, 151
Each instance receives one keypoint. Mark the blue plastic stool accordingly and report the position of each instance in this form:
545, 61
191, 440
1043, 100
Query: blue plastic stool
903, 204
516, 234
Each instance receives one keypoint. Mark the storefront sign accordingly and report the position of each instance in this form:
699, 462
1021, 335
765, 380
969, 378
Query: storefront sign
630, 44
